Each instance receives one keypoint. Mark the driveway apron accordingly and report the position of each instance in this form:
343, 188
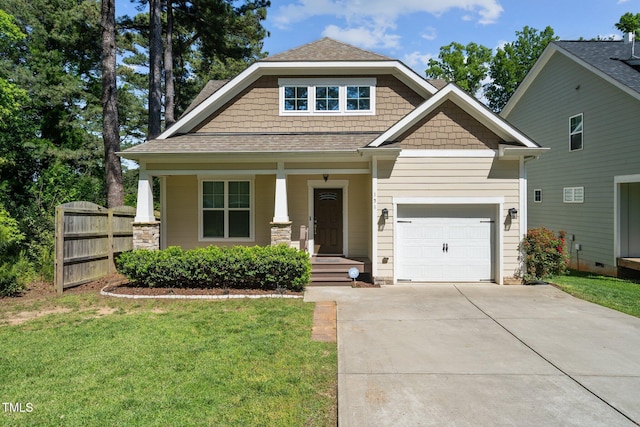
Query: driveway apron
482, 355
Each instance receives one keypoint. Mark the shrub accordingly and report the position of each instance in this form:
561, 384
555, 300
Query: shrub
545, 254
15, 276
239, 267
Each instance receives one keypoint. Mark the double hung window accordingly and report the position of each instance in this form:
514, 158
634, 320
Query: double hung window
575, 132
226, 209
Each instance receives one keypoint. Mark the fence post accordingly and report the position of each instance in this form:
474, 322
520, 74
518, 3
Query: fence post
59, 250
112, 266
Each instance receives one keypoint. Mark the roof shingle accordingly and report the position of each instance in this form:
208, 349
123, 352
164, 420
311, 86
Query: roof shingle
606, 56
327, 49
251, 143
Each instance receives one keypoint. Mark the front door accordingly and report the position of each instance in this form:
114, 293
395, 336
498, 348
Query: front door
327, 216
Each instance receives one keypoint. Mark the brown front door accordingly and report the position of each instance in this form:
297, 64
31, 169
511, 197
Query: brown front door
327, 214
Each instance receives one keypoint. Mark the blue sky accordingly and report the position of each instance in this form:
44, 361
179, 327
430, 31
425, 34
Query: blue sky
414, 30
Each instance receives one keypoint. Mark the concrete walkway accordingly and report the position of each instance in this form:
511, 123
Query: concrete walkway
482, 355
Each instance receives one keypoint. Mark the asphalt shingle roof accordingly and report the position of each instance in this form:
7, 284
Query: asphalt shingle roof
209, 89
252, 142
327, 49
606, 56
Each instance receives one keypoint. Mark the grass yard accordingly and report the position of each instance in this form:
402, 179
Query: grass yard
618, 294
112, 362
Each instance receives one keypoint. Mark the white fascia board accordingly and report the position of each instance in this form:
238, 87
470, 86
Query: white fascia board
517, 152
258, 69
465, 101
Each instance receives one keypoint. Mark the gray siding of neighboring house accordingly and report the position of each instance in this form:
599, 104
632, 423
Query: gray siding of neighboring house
611, 147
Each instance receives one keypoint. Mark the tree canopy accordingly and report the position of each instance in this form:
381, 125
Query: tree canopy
629, 23
469, 66
466, 65
51, 115
511, 63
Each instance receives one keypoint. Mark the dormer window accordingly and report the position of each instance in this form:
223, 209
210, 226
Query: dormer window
296, 98
327, 96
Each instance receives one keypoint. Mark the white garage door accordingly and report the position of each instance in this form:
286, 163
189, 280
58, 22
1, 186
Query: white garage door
437, 243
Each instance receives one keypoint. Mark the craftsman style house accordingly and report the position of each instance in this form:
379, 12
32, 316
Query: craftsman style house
350, 155
582, 100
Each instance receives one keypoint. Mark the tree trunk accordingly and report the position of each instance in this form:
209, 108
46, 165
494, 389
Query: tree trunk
169, 91
110, 125
155, 68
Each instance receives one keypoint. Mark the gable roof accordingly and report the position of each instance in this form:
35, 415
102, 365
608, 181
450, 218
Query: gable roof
603, 58
209, 89
369, 64
327, 49
509, 134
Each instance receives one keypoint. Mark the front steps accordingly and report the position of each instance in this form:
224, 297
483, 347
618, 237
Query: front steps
334, 270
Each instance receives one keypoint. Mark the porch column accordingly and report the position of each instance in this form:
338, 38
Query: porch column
281, 226
146, 230
281, 211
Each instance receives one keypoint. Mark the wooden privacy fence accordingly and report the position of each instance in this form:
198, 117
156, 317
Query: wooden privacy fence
88, 238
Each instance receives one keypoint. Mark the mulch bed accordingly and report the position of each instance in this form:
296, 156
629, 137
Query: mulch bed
119, 285
133, 290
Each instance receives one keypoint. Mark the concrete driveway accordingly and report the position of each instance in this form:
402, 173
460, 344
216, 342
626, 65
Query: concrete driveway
482, 355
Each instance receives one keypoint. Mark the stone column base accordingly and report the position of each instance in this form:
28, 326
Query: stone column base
146, 235
280, 233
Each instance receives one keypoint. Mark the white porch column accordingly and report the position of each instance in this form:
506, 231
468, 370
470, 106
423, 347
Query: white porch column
144, 205
281, 226
281, 210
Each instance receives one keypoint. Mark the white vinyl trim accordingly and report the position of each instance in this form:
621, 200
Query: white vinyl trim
617, 180
449, 153
374, 216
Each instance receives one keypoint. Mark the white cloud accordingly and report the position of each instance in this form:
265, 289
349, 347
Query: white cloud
622, 1
417, 61
429, 33
381, 15
362, 36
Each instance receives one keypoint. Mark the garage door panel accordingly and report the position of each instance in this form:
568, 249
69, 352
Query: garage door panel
432, 247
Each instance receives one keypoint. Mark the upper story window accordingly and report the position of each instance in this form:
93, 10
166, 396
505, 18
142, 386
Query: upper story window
575, 132
296, 98
358, 98
328, 96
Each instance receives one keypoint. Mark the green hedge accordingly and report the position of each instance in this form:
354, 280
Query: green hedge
239, 267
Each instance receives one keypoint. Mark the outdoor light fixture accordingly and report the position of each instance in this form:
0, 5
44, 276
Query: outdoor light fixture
326, 177
513, 212
385, 213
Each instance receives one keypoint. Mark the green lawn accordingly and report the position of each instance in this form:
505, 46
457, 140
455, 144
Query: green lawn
618, 294
169, 363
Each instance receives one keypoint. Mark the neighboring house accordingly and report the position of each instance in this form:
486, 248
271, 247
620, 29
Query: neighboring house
375, 162
582, 100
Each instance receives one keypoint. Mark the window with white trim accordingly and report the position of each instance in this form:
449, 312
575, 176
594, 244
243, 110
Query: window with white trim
328, 96
573, 195
537, 195
575, 132
226, 209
